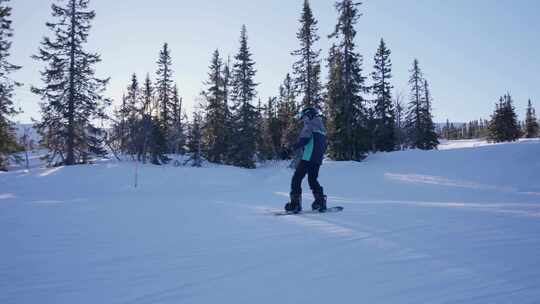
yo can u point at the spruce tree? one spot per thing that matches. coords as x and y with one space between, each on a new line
148 123
72 97
419 120
245 116
133 95
307 68
384 133
287 111
131 116
228 129
335 107
412 119
271 130
8 141
504 125
147 132
429 136
195 140
495 126
227 82
350 120
177 137
164 89
156 140
263 146
215 110
120 129
531 124
512 129
446 130
136 131
148 96
400 122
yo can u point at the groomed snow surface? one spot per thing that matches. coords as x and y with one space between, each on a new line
450 226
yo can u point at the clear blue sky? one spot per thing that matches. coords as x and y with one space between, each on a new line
472 52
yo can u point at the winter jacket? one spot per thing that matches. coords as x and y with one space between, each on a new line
313 139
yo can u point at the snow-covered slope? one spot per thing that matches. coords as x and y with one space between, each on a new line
473 143
452 226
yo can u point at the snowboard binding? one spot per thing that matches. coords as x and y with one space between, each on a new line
320 202
295 205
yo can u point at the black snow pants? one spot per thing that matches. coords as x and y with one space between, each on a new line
312 171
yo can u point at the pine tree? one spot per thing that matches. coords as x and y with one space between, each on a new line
400 122
335 107
8 141
131 115
245 116
215 121
195 140
120 128
263 143
164 89
133 96
156 140
228 131
177 136
135 131
149 148
429 136
72 97
287 110
531 124
485 128
419 123
227 83
307 68
346 106
495 124
384 139
512 129
504 125
148 96
271 130
414 109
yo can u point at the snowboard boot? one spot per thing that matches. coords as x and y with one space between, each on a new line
295 205
320 202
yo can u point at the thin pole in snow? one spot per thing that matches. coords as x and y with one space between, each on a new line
136 173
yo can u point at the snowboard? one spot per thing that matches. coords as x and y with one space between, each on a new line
328 210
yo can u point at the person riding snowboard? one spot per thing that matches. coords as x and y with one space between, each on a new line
313 141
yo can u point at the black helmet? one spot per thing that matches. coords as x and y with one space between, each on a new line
309 112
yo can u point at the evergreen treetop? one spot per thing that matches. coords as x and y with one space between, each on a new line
531 123
164 87
307 68
244 86
384 133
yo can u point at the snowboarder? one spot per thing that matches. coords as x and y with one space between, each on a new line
313 141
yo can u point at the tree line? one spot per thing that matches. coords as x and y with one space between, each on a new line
503 125
232 124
